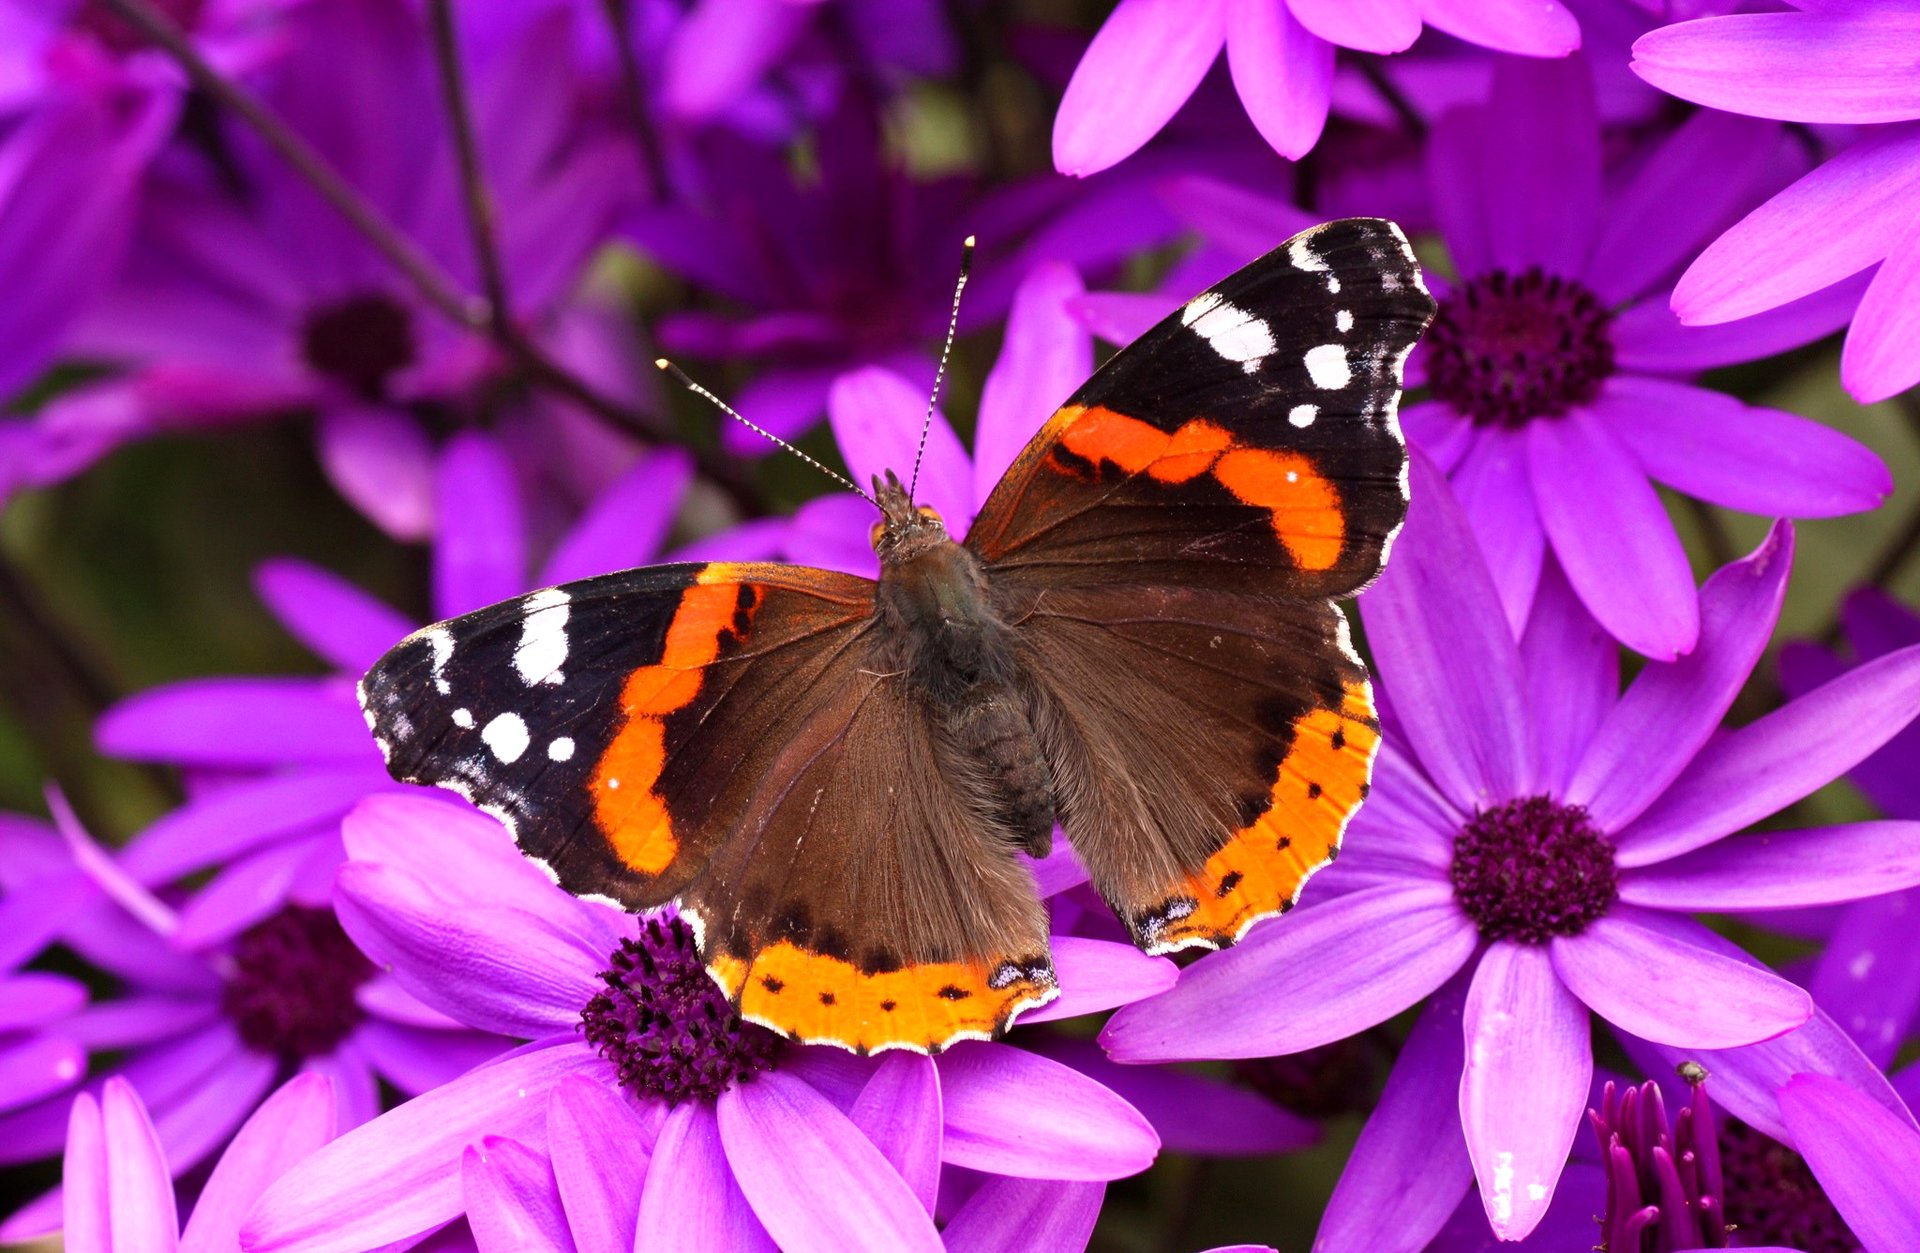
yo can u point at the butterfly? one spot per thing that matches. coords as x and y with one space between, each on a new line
831 777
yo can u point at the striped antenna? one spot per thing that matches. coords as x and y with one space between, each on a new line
953 324
681 377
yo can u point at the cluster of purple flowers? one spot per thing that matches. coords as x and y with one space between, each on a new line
307 1008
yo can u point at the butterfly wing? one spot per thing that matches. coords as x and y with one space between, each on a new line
712 734
1188 517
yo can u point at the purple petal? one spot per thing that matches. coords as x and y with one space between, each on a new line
1747 774
34 998
1783 869
500 969
1649 338
1363 25
1867 979
1573 677
241 723
1120 317
241 893
237 819
1142 65
380 460
1798 67
1864 1157
140 1192
1457 153
1664 990
1409 1168
1529 28
1648 739
88 1222
416 1060
1833 223
1447 655
289 1125
877 416
1405 818
1612 535
1238 224
900 1111
692 1200
1008 1214
1878 360
1100 974
34 1067
1492 487
599 1149
988 1091
831 532
1757 460
399 1175
1529 1063
719 50
479 553
1435 429
627 524
1283 74
1542 195
337 621
1315 984
816 1183
511 1200
1043 358
195 1125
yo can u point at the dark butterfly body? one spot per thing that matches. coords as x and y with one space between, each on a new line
832 776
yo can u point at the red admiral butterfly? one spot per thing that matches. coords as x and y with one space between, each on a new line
831 776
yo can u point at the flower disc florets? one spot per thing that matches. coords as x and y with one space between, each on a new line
666 1026
361 341
1533 869
1505 349
1773 1198
292 990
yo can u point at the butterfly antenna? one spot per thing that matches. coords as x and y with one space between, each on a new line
946 350
681 377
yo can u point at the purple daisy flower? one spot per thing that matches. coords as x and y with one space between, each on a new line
697 1120
1150 55
233 311
120 1195
39 889
1848 64
1534 843
1556 372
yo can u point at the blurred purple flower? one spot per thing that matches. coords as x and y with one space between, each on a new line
685 1117
1849 64
120 1197
1863 1155
38 892
1151 55
1534 842
235 309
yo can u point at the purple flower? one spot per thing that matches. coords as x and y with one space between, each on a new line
235 310
1850 64
1534 842
1864 1156
1151 55
38 891
691 1118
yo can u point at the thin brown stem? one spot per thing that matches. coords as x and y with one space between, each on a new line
633 93
1375 73
481 215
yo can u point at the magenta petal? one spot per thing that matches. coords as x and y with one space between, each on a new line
1783 869
1798 67
1409 1168
1542 195
719 50
1665 990
877 416
338 622
988 1092
34 1067
1100 974
1649 338
1757 460
627 523
1866 978
33 998
817 1184
1046 355
292 1123
510 1199
1223 1007
1447 654
1529 28
1141 67
900 1111
1529 1064
380 460
1878 361
399 1175
242 817
599 1149
1759 769
1457 151
140 1203
1865 1159
87 1223
692 1200
1120 317
1282 72
1573 678
1491 484
1834 222
1612 535
1364 25
479 554
243 723
1004 1215
1649 738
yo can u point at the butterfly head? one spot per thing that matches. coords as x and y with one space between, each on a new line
904 528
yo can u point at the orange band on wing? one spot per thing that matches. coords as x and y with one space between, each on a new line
1259 872
628 809
823 1000
1304 505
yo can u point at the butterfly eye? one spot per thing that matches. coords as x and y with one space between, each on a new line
929 513
873 536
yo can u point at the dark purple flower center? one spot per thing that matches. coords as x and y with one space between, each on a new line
1773 1198
291 992
117 34
666 1026
1325 1082
1532 869
360 341
1505 349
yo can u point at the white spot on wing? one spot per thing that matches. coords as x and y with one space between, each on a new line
561 749
1303 415
1230 330
441 641
1301 252
543 637
506 735
1344 319
463 718
1328 366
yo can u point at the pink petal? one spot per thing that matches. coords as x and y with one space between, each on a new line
692 1200
1142 65
381 461
510 1199
599 1147
1005 1214
1043 358
1878 361
140 1197
1089 1133
292 1123
1798 67
900 1111
1530 28
1363 25
877 418
1865 1159
479 555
